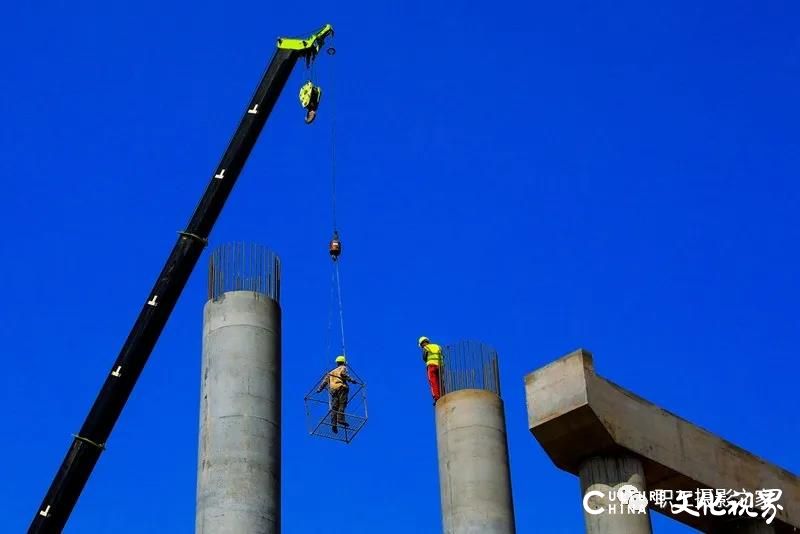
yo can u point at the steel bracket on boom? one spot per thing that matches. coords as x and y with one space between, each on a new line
189 235
101 446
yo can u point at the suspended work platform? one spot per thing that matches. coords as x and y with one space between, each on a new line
340 425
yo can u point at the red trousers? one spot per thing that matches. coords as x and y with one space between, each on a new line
433 380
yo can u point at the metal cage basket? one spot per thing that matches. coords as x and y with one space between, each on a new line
341 425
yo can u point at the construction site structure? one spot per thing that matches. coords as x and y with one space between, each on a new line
474 469
239 452
612 438
90 441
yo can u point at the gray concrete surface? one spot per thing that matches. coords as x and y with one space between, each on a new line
239 464
575 415
474 471
612 512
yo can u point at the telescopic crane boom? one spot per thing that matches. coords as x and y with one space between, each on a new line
87 445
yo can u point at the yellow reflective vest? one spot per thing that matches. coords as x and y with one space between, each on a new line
432 354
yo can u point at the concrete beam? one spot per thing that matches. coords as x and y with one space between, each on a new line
575 415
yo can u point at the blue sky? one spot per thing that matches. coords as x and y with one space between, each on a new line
617 176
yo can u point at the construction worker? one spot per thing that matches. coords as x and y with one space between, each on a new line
432 356
337 383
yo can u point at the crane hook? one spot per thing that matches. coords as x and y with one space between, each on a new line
335 246
310 96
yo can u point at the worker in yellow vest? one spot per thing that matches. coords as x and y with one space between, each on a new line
337 383
432 356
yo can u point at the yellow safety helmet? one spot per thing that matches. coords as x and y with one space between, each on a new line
340 359
422 340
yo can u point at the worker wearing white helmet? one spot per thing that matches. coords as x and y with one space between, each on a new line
432 356
337 383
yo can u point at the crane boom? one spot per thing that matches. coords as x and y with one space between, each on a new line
89 443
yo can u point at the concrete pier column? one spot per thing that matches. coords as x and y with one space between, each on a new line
239 463
611 481
474 473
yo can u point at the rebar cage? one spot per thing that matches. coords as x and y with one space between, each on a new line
320 416
469 365
244 267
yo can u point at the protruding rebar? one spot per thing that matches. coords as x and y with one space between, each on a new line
469 365
244 267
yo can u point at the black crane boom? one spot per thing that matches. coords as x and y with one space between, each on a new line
88 444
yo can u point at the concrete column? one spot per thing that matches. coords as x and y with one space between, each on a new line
239 465
609 476
474 475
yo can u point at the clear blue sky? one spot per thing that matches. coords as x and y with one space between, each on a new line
542 176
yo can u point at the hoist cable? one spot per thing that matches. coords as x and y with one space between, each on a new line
331 303
341 307
333 138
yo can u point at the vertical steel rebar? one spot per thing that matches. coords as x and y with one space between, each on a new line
469 365
244 267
